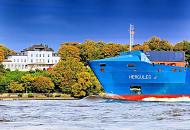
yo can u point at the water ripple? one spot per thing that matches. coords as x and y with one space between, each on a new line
93 114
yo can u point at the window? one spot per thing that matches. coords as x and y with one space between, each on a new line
36 55
43 55
14 60
31 55
21 60
48 55
102 64
31 60
40 55
24 60
131 65
48 60
17 60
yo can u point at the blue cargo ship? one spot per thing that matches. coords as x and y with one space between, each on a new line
132 76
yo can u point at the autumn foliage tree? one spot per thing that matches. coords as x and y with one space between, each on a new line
86 84
110 50
15 86
156 43
43 84
90 50
4 52
67 51
184 46
141 47
65 72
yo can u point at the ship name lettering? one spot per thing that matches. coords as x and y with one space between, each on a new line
135 76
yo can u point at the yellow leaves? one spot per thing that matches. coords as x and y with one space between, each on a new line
27 78
43 84
141 47
16 87
111 50
182 46
156 43
68 51
4 52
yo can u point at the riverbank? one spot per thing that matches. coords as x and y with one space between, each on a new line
36 96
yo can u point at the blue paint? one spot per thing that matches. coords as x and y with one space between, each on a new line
117 74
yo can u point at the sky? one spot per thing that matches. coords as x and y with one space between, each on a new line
27 22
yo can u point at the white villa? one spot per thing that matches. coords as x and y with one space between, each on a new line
32 58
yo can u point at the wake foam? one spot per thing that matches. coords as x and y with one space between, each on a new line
177 99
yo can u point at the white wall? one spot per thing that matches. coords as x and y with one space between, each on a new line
33 60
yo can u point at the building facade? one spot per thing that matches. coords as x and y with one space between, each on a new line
32 58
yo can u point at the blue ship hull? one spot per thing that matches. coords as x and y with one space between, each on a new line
134 77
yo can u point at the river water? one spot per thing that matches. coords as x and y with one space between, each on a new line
93 114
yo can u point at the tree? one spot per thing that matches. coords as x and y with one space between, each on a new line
141 47
110 50
67 51
27 81
64 74
156 43
90 50
16 87
4 52
184 46
85 85
43 84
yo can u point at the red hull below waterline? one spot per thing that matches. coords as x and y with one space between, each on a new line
150 97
